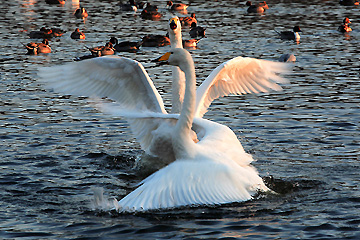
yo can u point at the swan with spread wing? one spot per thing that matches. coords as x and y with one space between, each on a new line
207 164
228 78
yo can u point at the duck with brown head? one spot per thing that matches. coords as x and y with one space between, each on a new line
345 26
77 34
177 6
256 8
36 48
187 21
81 13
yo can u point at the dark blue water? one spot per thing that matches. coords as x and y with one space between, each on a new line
55 148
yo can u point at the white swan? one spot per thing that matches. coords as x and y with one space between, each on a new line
126 81
214 170
178 83
224 80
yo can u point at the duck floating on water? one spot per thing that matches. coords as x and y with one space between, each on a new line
150 14
46 33
187 21
155 41
345 26
131 6
257 8
197 31
36 48
77 34
125 46
55 1
349 2
102 50
81 13
177 6
290 35
191 43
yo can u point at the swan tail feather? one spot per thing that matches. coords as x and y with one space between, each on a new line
189 183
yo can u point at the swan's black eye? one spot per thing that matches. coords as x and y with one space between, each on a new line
171 52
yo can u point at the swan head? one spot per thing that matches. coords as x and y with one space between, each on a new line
176 57
174 24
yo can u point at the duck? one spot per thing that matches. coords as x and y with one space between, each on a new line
55 1
187 21
197 31
263 5
77 34
155 41
36 48
96 54
81 13
257 8
177 6
345 26
57 32
42 33
102 50
290 35
209 169
46 33
349 2
125 46
131 6
148 6
150 15
287 57
191 43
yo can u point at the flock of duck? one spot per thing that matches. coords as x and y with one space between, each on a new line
149 11
205 164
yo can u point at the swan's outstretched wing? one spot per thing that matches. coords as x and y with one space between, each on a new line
239 76
120 79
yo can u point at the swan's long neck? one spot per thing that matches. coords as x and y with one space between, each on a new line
178 89
178 83
175 38
182 141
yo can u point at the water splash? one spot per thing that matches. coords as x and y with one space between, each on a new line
100 202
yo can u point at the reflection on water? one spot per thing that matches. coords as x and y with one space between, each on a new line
55 147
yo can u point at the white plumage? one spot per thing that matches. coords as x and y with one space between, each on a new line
237 76
210 168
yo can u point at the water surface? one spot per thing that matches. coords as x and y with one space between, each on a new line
305 139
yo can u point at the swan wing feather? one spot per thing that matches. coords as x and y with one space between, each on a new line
118 78
239 76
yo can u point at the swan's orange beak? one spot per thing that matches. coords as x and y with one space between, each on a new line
163 59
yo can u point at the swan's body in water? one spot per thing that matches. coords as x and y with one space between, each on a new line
209 168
